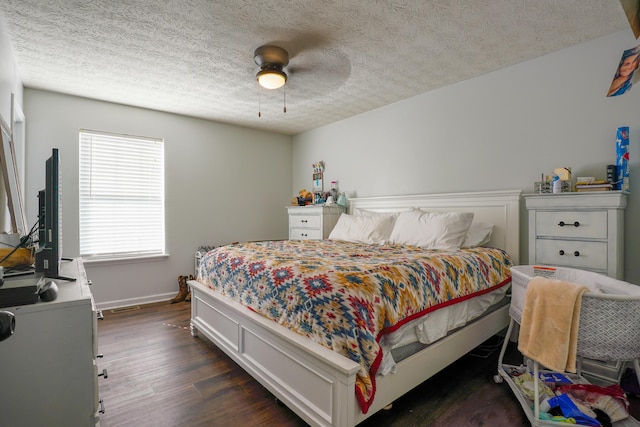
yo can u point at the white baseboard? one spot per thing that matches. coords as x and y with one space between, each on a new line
135 301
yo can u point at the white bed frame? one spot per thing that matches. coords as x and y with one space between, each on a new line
319 384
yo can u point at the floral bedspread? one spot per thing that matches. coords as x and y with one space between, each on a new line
345 296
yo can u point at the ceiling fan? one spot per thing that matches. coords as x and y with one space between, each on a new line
319 68
271 60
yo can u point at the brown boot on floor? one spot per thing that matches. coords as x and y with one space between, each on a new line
188 297
183 291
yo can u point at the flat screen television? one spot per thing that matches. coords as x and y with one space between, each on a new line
49 251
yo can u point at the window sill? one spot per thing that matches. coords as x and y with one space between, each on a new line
127 260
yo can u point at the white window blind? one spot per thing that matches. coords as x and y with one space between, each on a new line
121 196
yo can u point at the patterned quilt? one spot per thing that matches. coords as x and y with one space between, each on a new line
346 296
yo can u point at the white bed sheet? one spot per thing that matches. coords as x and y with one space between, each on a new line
436 325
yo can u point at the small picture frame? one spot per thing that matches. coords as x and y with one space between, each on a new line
317 182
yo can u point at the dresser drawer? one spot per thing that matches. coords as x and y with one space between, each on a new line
572 224
305 233
310 221
575 254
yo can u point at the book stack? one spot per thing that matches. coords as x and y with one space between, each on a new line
596 185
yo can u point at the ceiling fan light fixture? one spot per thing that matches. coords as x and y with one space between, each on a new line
271 78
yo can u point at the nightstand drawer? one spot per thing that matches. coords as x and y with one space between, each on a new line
570 253
573 224
310 221
304 234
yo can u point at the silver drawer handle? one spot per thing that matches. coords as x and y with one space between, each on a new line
575 224
575 253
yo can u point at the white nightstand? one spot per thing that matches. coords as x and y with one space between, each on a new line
312 222
578 230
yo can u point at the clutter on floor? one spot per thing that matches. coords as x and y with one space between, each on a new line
566 398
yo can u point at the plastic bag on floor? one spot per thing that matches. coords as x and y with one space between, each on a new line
570 410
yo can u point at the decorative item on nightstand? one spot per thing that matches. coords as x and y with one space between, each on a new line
318 172
304 198
334 190
342 200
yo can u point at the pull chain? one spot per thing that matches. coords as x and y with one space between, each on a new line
260 100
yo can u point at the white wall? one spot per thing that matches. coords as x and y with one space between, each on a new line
497 131
10 84
9 76
222 183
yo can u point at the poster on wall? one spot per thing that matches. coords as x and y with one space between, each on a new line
623 77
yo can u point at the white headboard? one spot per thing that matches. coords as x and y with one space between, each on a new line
500 208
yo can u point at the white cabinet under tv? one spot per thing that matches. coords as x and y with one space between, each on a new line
48 369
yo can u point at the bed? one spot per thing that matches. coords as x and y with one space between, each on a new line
322 386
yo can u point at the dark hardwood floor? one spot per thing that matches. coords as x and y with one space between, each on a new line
159 375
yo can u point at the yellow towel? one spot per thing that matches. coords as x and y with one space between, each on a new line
549 324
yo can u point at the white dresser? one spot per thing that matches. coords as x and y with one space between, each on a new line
312 222
584 231
48 369
578 230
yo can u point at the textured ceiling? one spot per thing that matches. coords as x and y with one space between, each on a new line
195 57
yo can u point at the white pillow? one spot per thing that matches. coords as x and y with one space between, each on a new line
365 212
372 229
386 227
431 230
479 234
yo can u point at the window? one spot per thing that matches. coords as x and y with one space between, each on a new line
121 196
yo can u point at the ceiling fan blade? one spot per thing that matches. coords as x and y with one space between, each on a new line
297 69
